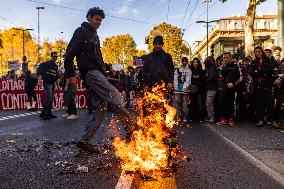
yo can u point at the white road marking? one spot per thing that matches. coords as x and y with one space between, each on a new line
278 177
21 115
125 181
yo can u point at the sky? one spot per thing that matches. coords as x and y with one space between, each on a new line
57 22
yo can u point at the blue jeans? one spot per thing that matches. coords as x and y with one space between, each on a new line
47 105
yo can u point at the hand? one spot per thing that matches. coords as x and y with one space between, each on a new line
39 82
170 87
66 88
230 85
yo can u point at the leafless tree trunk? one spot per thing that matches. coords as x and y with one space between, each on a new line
249 28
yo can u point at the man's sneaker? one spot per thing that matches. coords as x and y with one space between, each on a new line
88 147
260 124
208 120
52 116
72 117
65 115
275 125
231 122
222 122
184 120
268 123
42 115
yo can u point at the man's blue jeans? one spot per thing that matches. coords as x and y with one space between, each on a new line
49 91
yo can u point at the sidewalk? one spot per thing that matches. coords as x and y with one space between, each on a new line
265 144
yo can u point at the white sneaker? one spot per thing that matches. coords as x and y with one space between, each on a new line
65 115
72 116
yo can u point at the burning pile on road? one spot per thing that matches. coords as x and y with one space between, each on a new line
153 143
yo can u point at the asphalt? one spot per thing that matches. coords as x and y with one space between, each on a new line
42 154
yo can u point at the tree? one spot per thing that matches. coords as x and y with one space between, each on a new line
12 47
141 53
119 49
172 40
249 25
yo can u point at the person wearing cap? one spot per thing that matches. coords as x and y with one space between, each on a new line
85 46
158 66
48 74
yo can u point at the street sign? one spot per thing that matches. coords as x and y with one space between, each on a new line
137 61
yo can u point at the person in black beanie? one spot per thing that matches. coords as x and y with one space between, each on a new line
158 66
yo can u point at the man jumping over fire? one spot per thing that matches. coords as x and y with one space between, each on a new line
85 46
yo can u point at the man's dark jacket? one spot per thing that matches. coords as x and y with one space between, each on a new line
85 45
262 75
231 74
158 66
49 72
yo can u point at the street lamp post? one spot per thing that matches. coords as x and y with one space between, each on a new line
207 25
38 27
24 66
13 54
189 49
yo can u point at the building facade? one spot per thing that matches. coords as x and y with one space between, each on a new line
228 35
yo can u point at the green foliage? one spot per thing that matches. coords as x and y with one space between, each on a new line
119 49
173 43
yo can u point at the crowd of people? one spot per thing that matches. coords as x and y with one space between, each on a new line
224 90
231 88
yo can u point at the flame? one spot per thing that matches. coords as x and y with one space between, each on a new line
147 150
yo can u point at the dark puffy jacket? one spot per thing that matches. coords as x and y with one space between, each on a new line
198 78
231 74
262 75
49 72
211 78
158 66
85 45
30 82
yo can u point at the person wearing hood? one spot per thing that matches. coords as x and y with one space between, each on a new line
85 46
211 84
158 66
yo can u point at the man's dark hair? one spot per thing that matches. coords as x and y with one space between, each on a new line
53 53
278 48
269 50
183 59
95 11
235 56
228 53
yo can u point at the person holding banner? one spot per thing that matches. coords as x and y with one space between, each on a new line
48 73
30 83
85 46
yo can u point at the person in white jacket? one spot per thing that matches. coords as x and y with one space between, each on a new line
182 81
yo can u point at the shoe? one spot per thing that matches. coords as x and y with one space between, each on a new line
202 121
87 146
260 124
72 117
46 117
231 122
184 121
222 122
209 120
268 123
65 115
52 116
275 125
42 115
